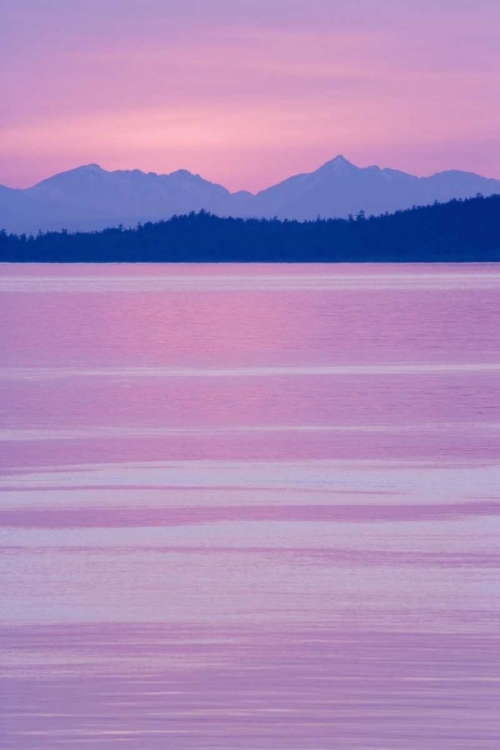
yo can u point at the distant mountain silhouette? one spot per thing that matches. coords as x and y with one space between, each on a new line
457 231
339 188
90 198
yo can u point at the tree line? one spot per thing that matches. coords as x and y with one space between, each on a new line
458 231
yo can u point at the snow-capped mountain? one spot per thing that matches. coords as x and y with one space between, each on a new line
89 197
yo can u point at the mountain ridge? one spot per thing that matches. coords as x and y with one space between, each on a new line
89 197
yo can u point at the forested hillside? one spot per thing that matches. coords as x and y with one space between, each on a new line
461 231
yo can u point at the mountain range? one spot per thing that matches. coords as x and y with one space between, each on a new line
89 197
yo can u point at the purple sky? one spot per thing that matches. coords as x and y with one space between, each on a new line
247 92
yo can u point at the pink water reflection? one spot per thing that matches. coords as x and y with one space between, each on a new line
240 689
250 508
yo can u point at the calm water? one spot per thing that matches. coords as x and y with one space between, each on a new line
250 508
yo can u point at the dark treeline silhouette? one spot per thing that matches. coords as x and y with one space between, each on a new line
459 231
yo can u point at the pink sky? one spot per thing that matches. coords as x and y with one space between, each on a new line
248 92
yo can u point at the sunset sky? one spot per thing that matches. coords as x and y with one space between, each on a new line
248 92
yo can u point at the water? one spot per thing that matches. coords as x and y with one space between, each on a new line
250 508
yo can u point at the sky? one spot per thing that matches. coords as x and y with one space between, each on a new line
248 92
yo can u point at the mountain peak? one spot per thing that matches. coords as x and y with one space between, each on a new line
87 168
183 173
87 171
340 159
340 165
